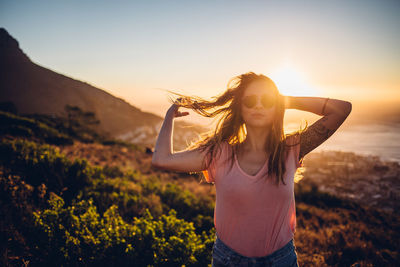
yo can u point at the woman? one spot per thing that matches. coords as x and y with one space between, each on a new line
252 164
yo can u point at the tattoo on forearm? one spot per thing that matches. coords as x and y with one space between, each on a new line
315 135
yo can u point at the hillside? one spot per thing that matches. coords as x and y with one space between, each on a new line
36 89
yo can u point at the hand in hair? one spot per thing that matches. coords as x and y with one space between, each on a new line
174 110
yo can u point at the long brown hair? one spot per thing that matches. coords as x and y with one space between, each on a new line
231 127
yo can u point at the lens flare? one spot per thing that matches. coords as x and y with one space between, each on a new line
292 82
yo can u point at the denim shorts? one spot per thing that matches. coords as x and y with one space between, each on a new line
222 255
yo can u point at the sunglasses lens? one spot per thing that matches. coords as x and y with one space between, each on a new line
267 102
250 101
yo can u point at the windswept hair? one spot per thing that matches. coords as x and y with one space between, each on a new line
231 127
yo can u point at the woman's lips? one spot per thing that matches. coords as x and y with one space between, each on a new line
258 117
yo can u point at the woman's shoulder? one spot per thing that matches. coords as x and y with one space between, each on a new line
217 152
293 147
224 147
219 148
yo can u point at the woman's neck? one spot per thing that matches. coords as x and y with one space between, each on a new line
255 141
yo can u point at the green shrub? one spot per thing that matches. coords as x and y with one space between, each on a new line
17 125
112 171
38 164
188 205
79 235
126 194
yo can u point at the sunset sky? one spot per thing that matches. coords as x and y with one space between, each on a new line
342 49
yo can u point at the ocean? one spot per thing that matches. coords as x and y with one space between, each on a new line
382 140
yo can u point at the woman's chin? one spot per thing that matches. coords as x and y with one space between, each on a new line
259 124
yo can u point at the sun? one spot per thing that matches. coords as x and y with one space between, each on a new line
292 82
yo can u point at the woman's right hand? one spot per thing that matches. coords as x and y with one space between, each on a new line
174 111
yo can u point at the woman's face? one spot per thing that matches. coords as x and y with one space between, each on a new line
260 108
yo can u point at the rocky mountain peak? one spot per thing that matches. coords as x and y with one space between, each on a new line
9 48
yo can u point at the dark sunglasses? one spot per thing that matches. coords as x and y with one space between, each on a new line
250 101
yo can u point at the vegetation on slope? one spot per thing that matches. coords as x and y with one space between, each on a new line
62 211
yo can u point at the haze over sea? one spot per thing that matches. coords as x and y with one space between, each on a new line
382 140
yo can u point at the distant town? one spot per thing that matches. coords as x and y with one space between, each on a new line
366 180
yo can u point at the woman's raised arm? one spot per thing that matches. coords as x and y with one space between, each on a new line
334 112
164 156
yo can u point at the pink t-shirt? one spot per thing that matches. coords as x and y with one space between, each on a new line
254 218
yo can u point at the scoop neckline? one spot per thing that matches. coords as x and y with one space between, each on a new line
246 174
